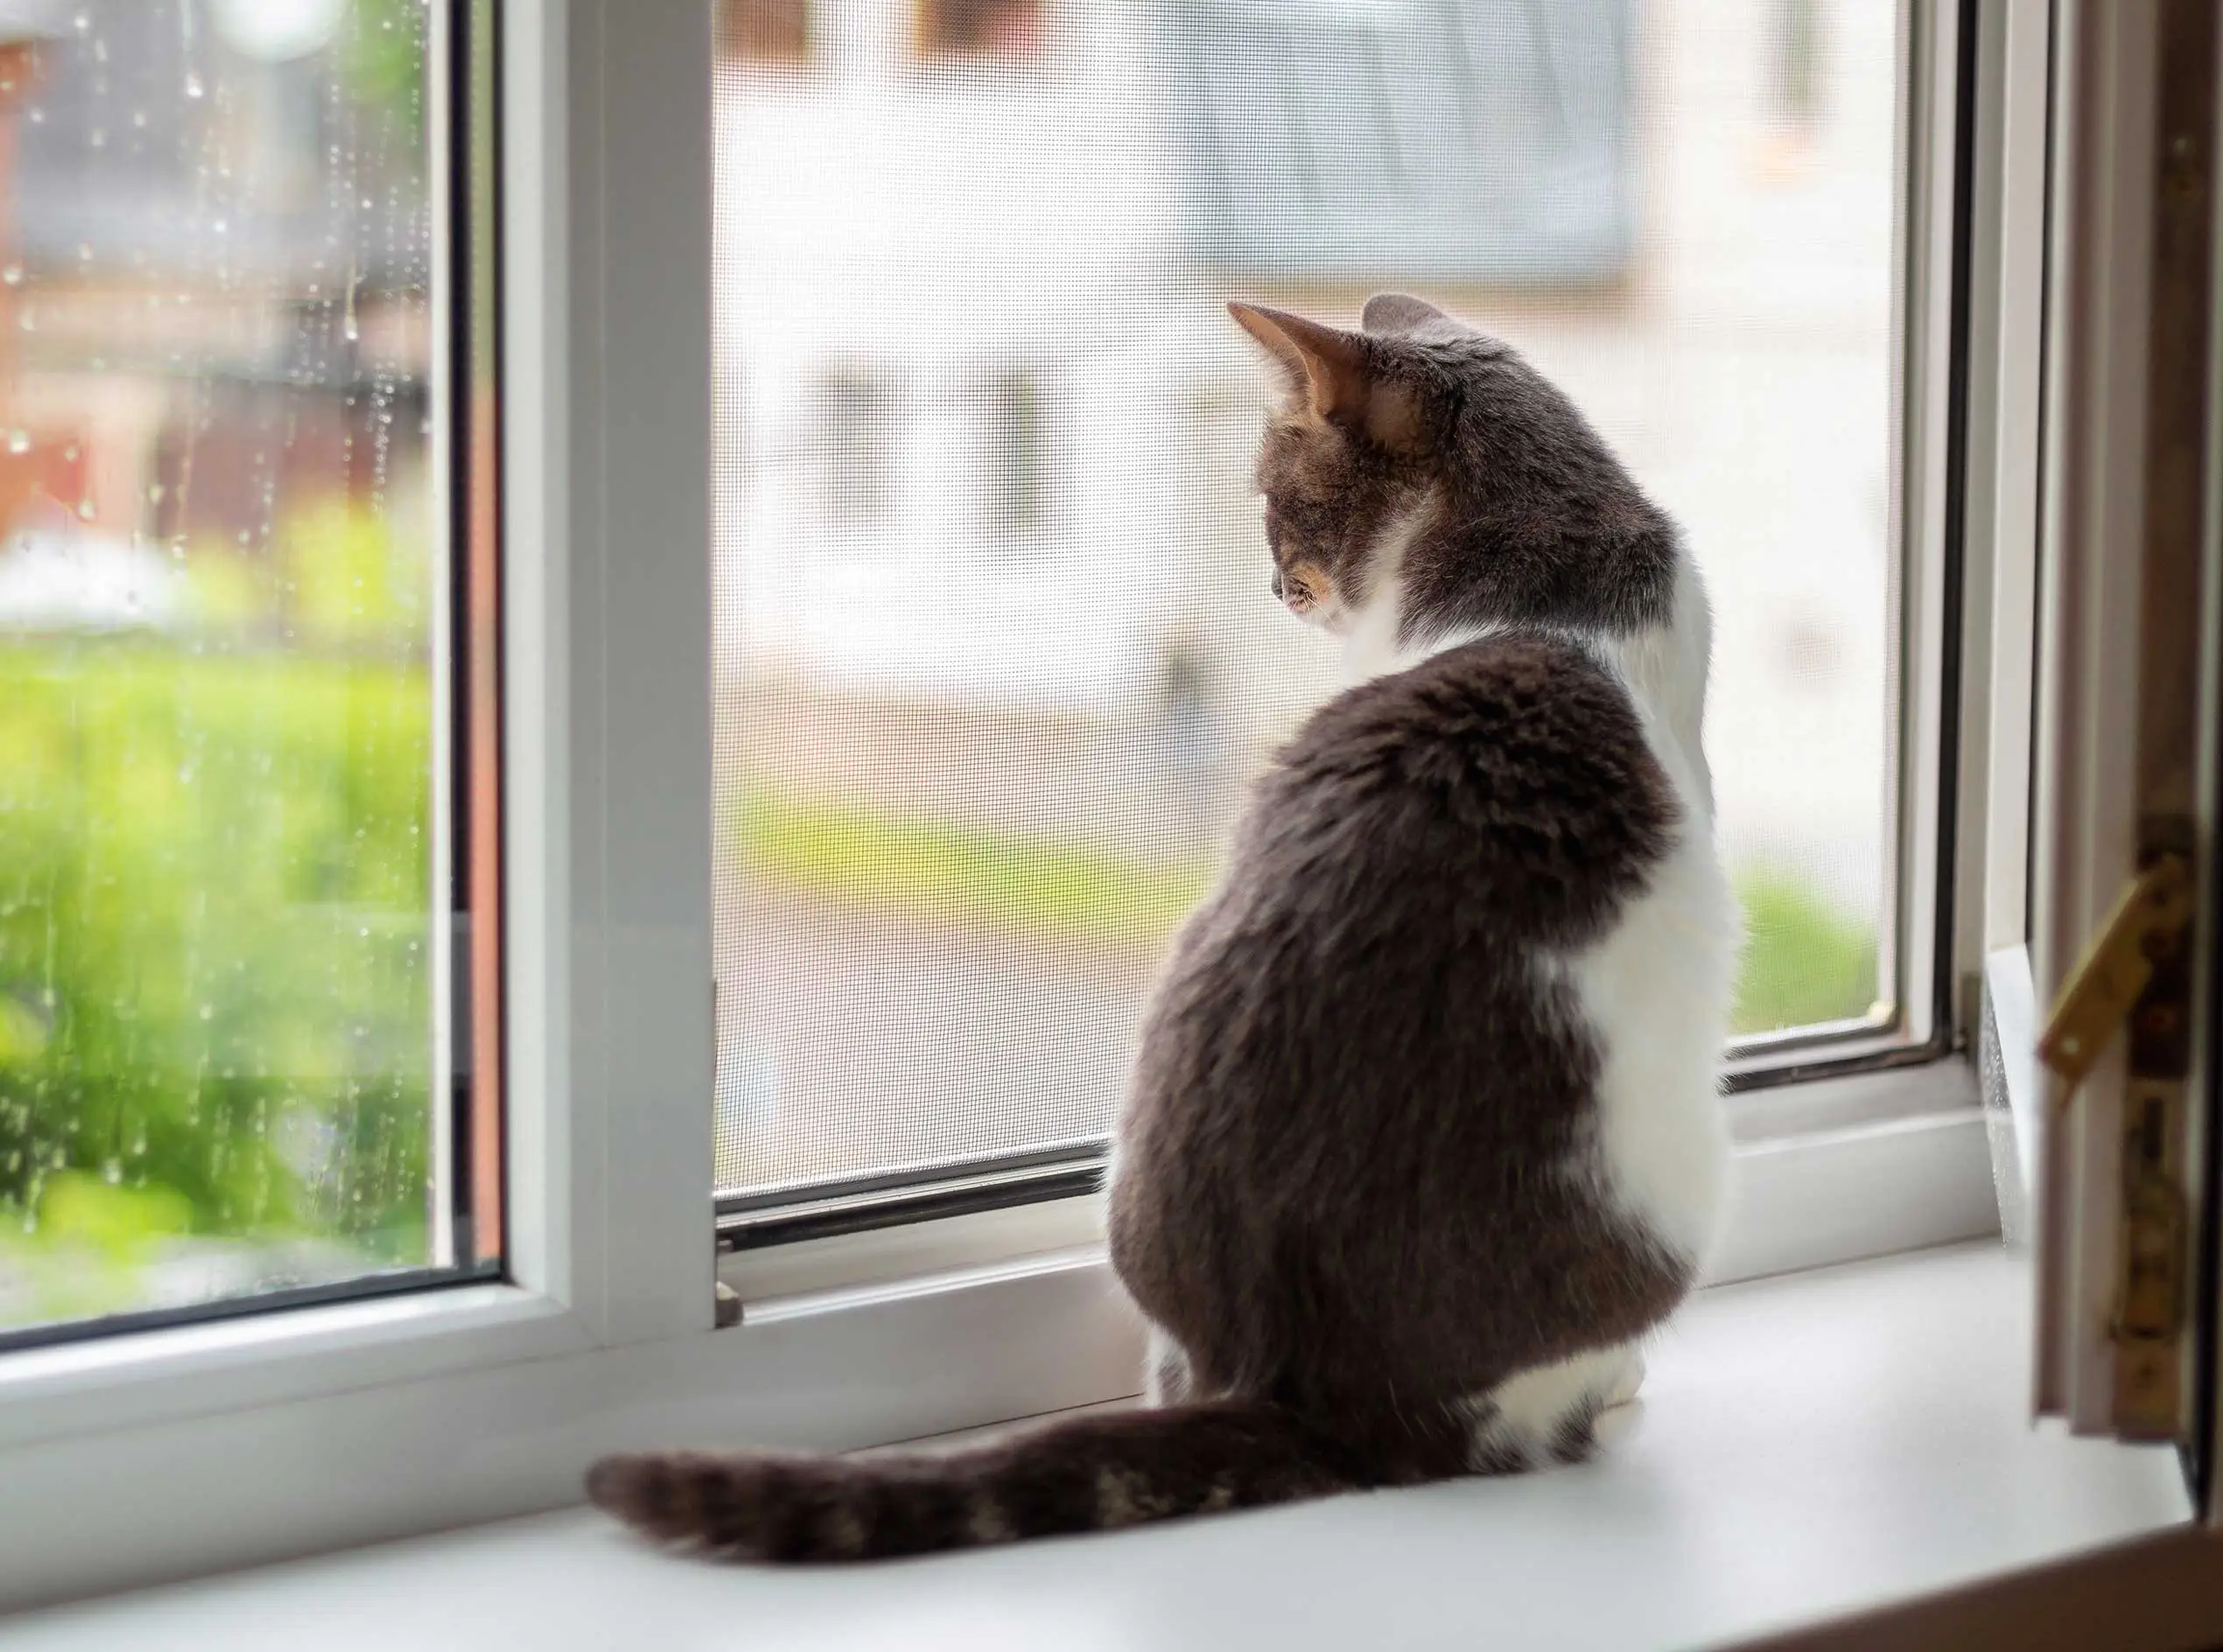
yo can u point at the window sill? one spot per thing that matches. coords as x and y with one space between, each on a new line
1807 1446
228 1365
1830 1170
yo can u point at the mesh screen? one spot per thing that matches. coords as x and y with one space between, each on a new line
996 650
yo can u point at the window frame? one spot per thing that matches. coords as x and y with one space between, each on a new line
254 1439
1959 478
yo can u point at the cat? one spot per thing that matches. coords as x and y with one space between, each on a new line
1424 1136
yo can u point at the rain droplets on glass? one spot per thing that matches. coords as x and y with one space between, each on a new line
293 249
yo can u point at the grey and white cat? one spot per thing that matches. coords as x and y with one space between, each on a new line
1424 1136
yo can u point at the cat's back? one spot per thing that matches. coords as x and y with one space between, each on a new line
1420 858
1509 782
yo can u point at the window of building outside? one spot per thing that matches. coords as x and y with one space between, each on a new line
1012 462
776 31
978 28
1798 45
963 797
859 430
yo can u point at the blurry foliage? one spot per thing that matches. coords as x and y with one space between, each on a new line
1804 962
335 578
351 579
81 1217
935 868
381 49
215 984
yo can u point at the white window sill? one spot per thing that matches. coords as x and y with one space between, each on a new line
1806 1446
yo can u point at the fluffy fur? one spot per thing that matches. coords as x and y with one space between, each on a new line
1423 1138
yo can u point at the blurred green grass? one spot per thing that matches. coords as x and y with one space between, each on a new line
1804 962
937 870
216 990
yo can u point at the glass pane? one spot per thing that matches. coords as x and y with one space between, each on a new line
997 653
219 585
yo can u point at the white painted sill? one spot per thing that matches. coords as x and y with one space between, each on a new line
201 1450
1806 1446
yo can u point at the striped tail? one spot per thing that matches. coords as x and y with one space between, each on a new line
1086 1473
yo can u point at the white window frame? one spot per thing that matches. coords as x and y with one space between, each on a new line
2008 348
171 1452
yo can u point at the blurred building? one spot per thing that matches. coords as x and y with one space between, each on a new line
966 248
214 267
986 428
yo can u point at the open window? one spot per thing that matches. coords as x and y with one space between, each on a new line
2123 871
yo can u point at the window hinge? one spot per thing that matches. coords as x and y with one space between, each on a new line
2108 981
2138 973
2151 1262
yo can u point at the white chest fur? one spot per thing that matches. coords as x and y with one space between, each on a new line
1654 994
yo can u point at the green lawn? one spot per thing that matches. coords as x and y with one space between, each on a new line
216 990
1803 961
933 869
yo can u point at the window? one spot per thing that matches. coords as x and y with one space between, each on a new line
1797 45
978 28
856 444
775 32
1012 463
963 797
232 856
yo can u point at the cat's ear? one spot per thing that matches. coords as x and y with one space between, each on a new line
1394 313
1325 363
1330 369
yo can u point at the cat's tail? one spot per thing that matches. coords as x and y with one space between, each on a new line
1086 1473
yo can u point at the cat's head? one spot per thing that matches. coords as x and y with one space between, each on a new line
1420 464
